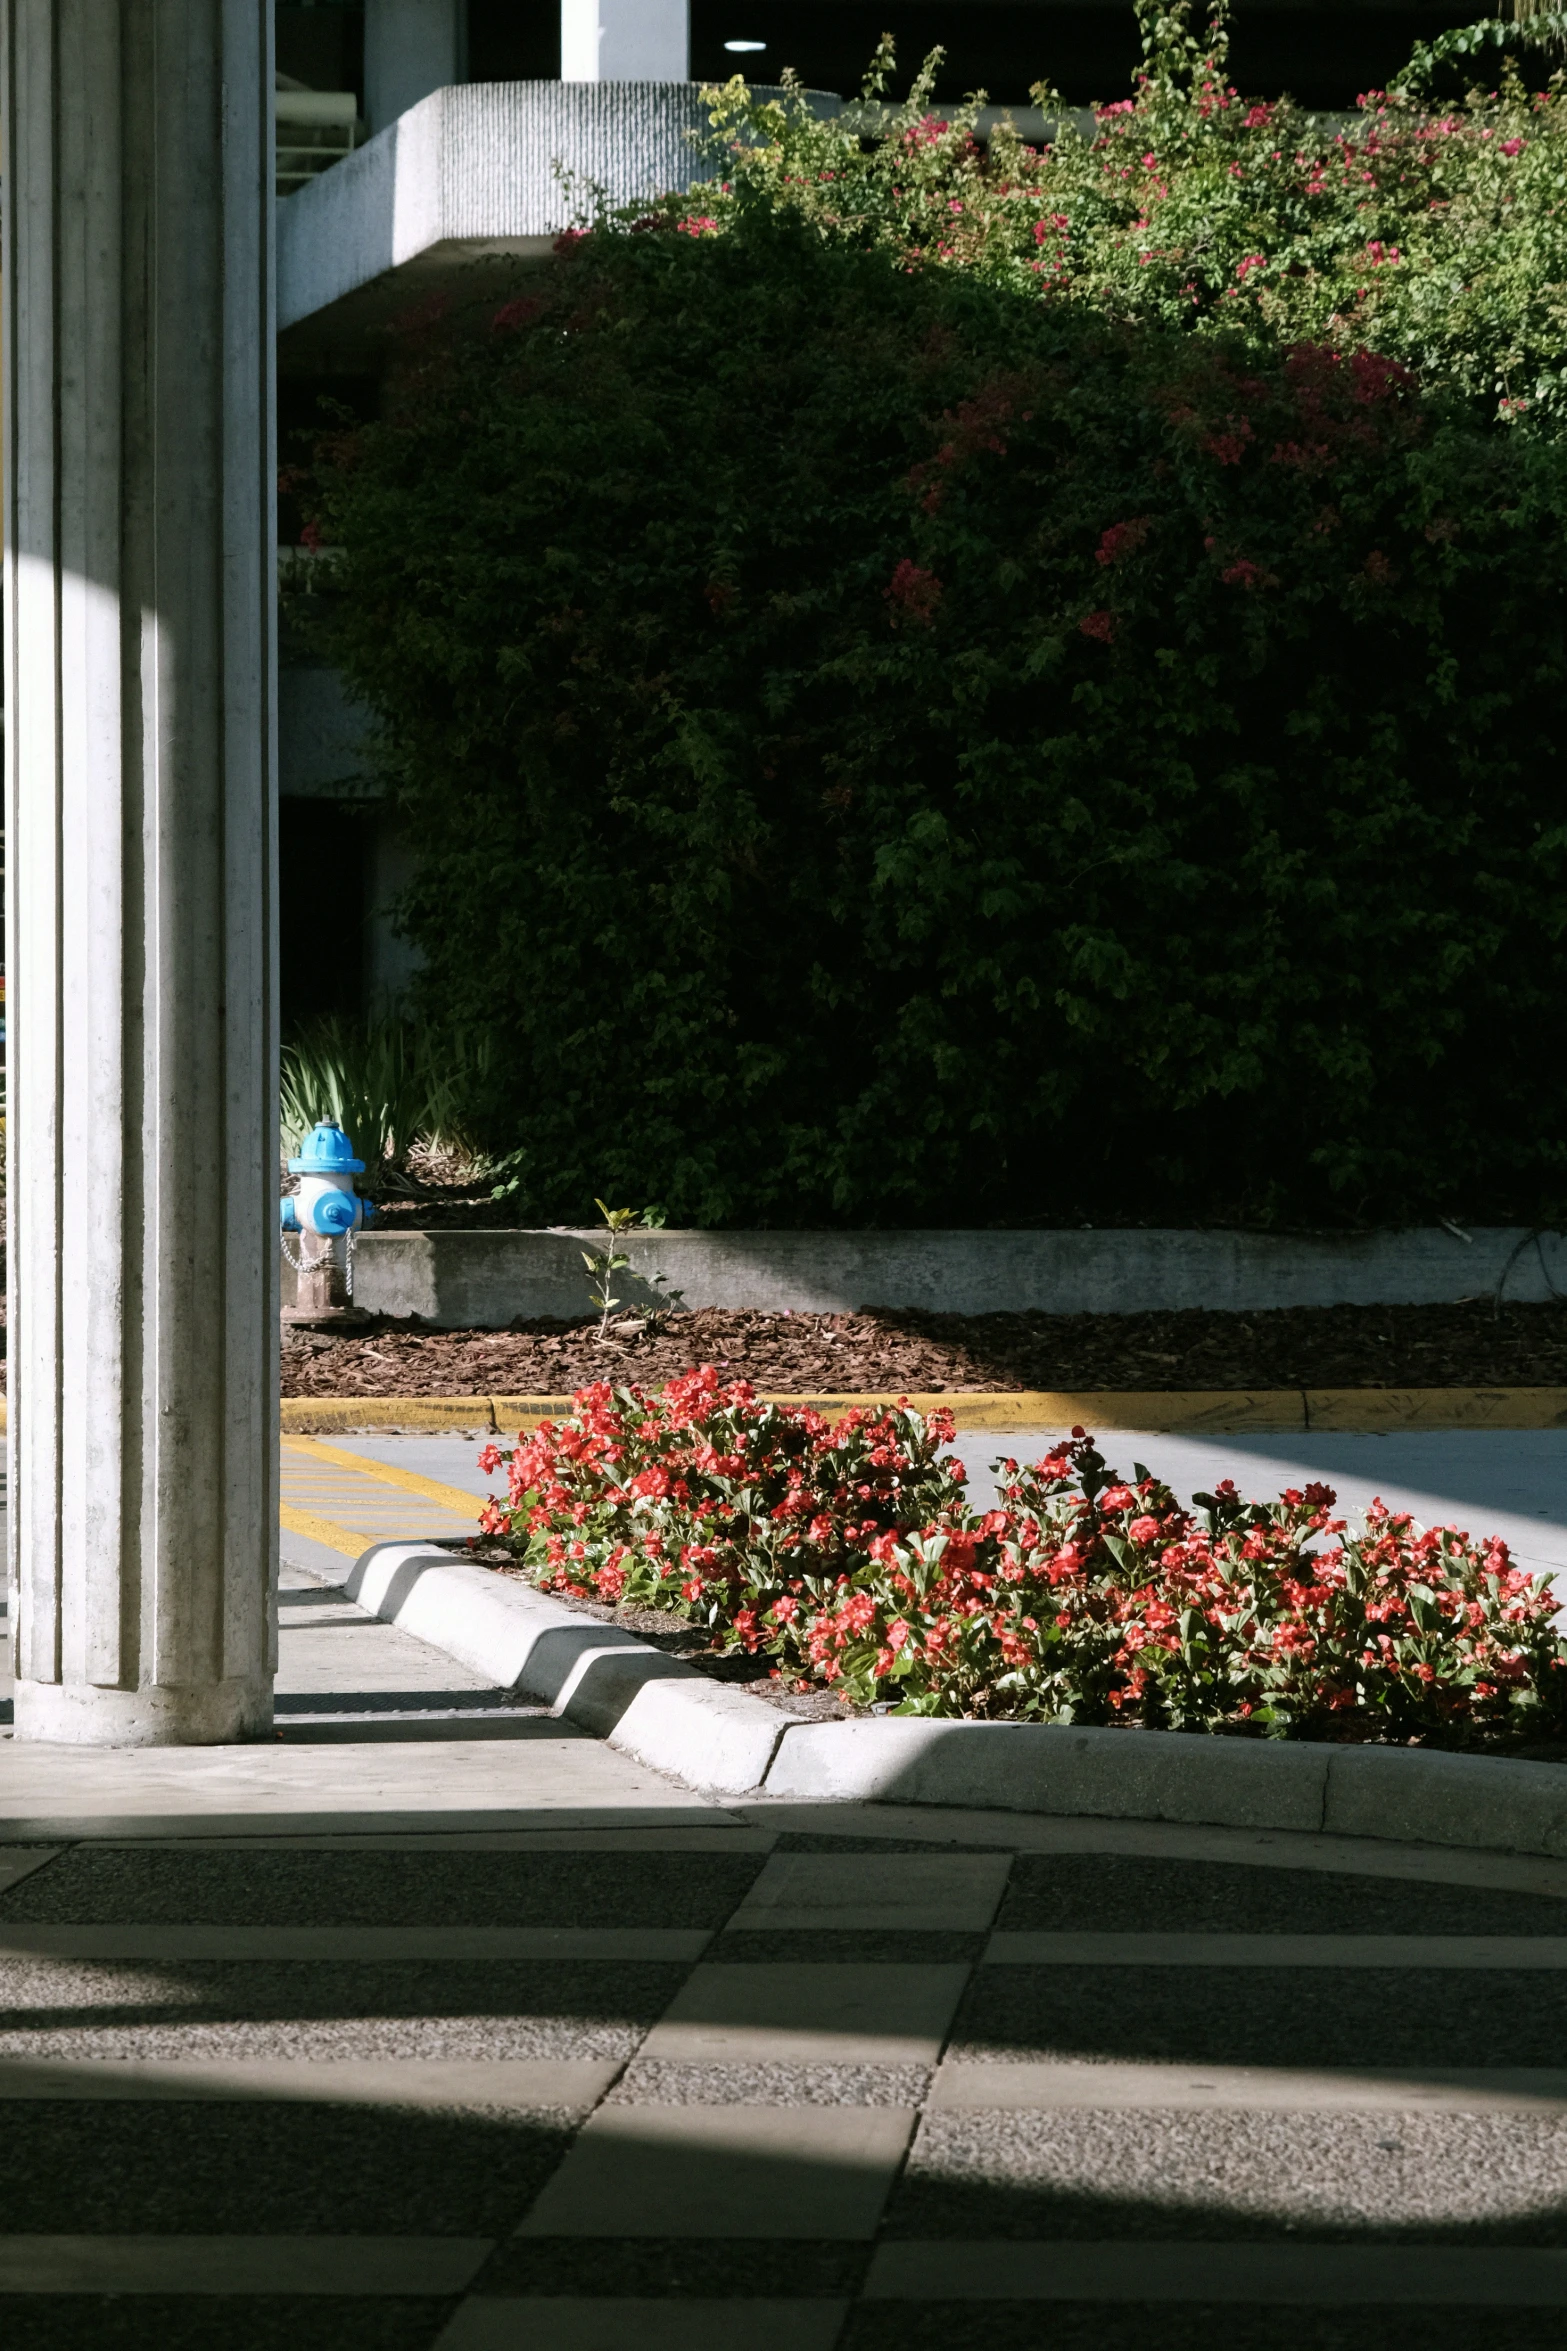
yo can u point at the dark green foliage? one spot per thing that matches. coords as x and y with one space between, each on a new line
833 824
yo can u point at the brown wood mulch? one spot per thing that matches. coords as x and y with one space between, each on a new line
1469 1345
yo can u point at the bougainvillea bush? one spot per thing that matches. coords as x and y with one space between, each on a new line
847 1552
1431 228
887 744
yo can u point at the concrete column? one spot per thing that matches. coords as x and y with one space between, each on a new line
625 40
411 48
141 855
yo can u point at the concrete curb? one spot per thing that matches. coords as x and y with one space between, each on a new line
1186 1412
651 1706
1407 1794
673 1719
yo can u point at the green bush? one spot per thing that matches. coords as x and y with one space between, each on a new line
890 748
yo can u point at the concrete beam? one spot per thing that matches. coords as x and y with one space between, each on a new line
141 840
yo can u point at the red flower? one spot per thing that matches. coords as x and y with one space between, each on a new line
916 593
1122 538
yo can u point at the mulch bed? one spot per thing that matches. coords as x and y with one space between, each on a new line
1469 1345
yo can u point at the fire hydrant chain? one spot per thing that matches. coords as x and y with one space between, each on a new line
303 1264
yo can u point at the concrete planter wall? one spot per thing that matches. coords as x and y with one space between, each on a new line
484 1279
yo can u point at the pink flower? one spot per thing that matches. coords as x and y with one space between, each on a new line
1100 625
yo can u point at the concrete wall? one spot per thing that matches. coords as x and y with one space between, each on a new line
484 1279
321 738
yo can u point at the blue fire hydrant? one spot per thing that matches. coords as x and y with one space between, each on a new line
326 1205
326 1202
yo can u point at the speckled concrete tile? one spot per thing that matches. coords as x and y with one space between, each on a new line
227 1887
301 2008
559 2094
648 2082
20 1861
725 2171
240 2262
236 2322
260 2169
1144 2326
653 2325
1264 2016
1262 2089
1185 2268
924 1892
1084 2174
1109 1892
808 2015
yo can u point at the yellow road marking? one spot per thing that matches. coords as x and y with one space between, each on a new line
321 1530
466 1506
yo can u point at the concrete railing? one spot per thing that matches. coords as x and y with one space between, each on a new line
473 168
484 1279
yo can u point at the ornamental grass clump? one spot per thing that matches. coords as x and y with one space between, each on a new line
847 1553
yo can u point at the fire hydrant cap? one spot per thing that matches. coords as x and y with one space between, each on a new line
326 1151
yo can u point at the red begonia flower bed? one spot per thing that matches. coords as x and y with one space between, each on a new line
847 1552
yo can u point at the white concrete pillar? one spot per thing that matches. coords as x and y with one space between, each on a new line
625 40
411 48
141 854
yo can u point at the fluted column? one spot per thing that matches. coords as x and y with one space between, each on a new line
141 856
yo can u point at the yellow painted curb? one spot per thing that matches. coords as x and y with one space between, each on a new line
306 1415
1188 1412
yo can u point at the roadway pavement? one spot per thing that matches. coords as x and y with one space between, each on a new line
1511 1483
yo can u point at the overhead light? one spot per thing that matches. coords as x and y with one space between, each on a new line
745 44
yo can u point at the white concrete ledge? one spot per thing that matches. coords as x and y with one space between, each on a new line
650 1705
1025 1767
470 171
482 1279
670 1717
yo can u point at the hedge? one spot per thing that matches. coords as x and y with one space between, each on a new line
889 745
